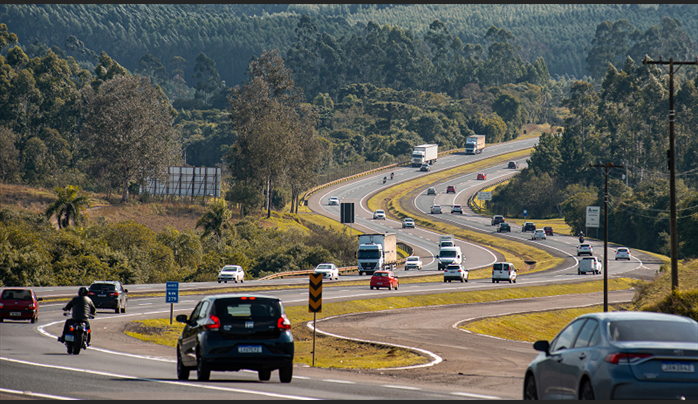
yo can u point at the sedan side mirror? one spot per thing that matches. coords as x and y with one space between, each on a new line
182 318
437 256
41 299
543 346
126 290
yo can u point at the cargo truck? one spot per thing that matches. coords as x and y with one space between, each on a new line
446 241
377 251
474 144
424 154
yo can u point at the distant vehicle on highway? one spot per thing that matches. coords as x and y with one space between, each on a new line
589 264
232 332
436 209
384 279
333 201
231 273
19 304
538 234
497 219
503 271
108 295
327 270
513 164
617 355
481 176
379 214
528 226
585 249
622 253
504 227
425 167
455 273
408 222
548 230
451 189
431 191
456 209
413 262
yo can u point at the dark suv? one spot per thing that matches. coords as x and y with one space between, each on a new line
497 219
109 295
528 226
504 227
232 332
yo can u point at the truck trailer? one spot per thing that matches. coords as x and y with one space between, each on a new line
424 154
474 144
377 251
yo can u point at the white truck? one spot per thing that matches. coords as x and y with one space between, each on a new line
377 251
474 144
446 241
424 154
589 264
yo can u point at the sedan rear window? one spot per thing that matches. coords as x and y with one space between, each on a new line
16 295
230 309
102 287
654 331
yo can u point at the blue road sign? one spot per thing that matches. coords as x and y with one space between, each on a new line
525 212
172 292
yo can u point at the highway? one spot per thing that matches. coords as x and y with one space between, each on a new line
34 365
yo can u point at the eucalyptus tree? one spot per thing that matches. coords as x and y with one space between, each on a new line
128 130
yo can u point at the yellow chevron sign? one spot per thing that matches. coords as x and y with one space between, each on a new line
315 297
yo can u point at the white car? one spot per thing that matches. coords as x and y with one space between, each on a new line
622 253
379 214
589 264
436 209
333 201
585 249
413 262
503 271
538 234
455 273
408 222
328 271
231 273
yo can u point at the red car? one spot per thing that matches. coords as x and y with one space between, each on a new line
19 304
548 230
481 176
384 279
451 189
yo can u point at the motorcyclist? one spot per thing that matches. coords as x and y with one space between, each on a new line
392 175
83 308
581 236
385 179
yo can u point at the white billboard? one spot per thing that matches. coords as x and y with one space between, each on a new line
593 216
187 181
484 196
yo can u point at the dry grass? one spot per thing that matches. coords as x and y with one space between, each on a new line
651 293
325 221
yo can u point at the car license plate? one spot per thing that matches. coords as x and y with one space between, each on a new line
69 337
15 313
379 283
250 349
678 368
102 295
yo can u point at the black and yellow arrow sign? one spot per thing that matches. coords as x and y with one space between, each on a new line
315 297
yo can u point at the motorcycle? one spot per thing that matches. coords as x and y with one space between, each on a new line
392 175
581 239
76 336
385 179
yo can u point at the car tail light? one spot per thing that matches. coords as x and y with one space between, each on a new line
72 328
1 304
90 293
283 323
625 358
114 294
245 298
212 323
31 305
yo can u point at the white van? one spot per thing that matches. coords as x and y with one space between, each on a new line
450 256
503 271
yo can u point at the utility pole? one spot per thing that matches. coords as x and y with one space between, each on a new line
605 234
672 166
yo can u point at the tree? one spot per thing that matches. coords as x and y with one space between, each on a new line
9 155
128 130
209 80
70 204
215 220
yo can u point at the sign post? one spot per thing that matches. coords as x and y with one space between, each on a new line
315 302
172 296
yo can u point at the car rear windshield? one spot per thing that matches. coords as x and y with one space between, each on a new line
654 331
448 254
412 258
99 287
230 309
381 274
16 295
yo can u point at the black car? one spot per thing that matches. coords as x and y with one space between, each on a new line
513 164
232 332
497 219
109 295
528 226
425 167
504 227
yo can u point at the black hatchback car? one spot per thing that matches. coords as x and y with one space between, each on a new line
232 332
109 295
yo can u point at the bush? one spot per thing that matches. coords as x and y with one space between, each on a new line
682 303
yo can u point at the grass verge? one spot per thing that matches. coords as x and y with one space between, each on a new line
657 295
337 353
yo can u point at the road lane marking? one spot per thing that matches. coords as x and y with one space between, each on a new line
178 383
40 395
391 386
482 396
144 304
337 381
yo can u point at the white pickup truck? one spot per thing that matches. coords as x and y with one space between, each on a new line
589 264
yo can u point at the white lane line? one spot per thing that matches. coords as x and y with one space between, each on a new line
40 395
482 396
390 386
144 304
337 381
301 377
178 383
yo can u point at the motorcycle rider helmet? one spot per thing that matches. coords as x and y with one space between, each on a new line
82 291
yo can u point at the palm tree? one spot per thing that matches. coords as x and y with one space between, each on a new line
70 205
215 219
